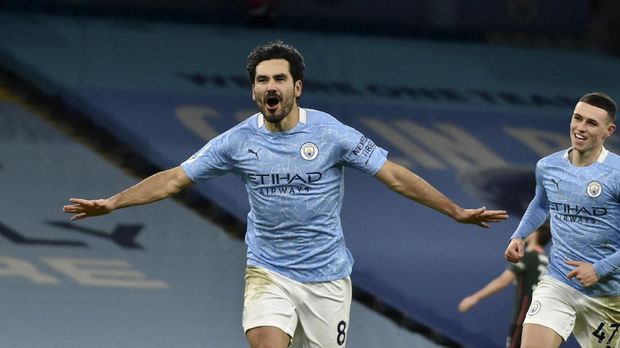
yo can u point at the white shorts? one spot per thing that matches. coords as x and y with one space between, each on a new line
595 321
315 315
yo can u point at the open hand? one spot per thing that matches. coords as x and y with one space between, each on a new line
83 208
481 216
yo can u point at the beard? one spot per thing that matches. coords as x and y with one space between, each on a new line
276 116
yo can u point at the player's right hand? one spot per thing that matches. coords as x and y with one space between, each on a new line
83 208
515 250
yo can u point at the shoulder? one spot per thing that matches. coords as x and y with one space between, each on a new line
556 156
552 159
242 129
611 168
319 118
330 128
612 160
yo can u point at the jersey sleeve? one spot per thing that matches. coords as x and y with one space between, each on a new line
537 211
611 263
361 152
210 161
608 265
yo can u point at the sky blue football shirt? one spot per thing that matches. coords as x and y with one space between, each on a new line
294 180
583 204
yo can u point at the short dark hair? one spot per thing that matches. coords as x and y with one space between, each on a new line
603 101
544 234
276 50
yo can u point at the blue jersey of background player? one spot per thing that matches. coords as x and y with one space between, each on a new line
579 189
584 207
291 160
294 184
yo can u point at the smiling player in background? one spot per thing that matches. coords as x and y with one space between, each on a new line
579 190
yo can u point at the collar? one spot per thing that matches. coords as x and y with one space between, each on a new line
303 118
601 158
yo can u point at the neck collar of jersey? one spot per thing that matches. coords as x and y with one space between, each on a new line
303 117
601 158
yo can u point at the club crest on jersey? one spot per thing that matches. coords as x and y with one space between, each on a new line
594 189
309 151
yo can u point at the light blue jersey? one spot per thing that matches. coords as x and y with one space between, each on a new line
294 181
584 206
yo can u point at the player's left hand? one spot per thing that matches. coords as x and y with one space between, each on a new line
481 216
584 273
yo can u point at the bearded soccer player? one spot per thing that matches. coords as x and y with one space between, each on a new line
291 160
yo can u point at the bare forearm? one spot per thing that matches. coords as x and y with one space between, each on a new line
494 286
156 187
414 187
408 184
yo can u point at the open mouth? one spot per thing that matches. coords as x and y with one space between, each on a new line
273 102
579 137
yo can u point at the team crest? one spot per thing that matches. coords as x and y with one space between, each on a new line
594 189
309 151
534 308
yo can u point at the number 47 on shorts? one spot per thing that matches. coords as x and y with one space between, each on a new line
601 334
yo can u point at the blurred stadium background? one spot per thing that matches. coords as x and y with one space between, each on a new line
97 94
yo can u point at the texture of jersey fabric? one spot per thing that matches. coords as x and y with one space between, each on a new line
294 181
584 208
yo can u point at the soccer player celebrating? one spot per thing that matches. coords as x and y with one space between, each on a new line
291 160
579 189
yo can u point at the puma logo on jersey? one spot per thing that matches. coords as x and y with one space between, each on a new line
255 153
557 183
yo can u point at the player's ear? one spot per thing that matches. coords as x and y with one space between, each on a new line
610 129
253 94
298 88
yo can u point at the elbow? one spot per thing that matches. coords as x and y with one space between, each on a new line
176 189
397 186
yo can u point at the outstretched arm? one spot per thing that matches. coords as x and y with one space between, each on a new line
408 184
156 187
493 287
